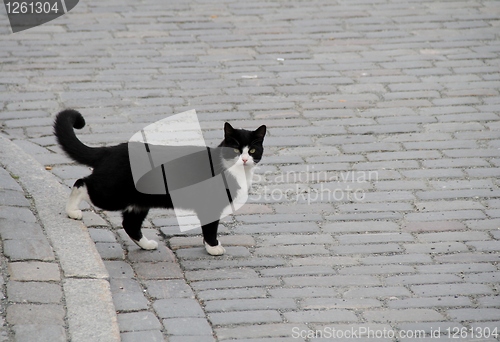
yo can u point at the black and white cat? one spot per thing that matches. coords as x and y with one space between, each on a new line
111 185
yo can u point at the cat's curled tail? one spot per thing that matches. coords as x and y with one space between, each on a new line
74 148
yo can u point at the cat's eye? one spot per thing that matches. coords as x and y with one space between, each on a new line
236 150
252 150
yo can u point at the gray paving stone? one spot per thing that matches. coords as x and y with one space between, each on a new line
236 262
178 241
250 304
297 270
128 295
32 249
404 155
433 173
486 246
34 271
27 314
446 215
220 274
200 253
338 280
234 283
160 270
138 321
102 235
303 292
451 289
110 250
119 269
229 294
326 260
17 214
420 226
291 250
290 239
245 317
277 218
162 254
326 316
474 314
92 219
336 303
367 249
146 335
378 292
13 198
21 231
162 289
39 332
377 269
281 227
438 247
431 302
187 338
457 268
490 277
126 302
398 259
374 238
7 182
188 327
34 292
455 236
351 227
404 315
488 301
178 307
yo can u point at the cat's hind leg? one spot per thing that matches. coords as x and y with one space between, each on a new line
132 222
78 194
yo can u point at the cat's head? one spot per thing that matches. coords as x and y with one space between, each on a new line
243 147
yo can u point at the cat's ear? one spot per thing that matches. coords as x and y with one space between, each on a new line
260 132
228 129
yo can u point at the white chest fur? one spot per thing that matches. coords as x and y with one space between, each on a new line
243 173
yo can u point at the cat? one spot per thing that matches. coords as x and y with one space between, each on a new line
111 187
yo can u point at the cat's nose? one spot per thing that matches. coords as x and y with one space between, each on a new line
244 160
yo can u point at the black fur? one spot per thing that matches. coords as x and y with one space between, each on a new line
111 186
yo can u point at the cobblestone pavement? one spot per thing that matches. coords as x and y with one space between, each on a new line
28 263
376 205
53 283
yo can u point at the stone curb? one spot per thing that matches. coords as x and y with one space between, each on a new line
90 310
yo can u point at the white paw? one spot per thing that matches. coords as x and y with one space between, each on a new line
75 214
215 250
144 243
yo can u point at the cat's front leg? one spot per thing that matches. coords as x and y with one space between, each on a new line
214 250
212 245
144 243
